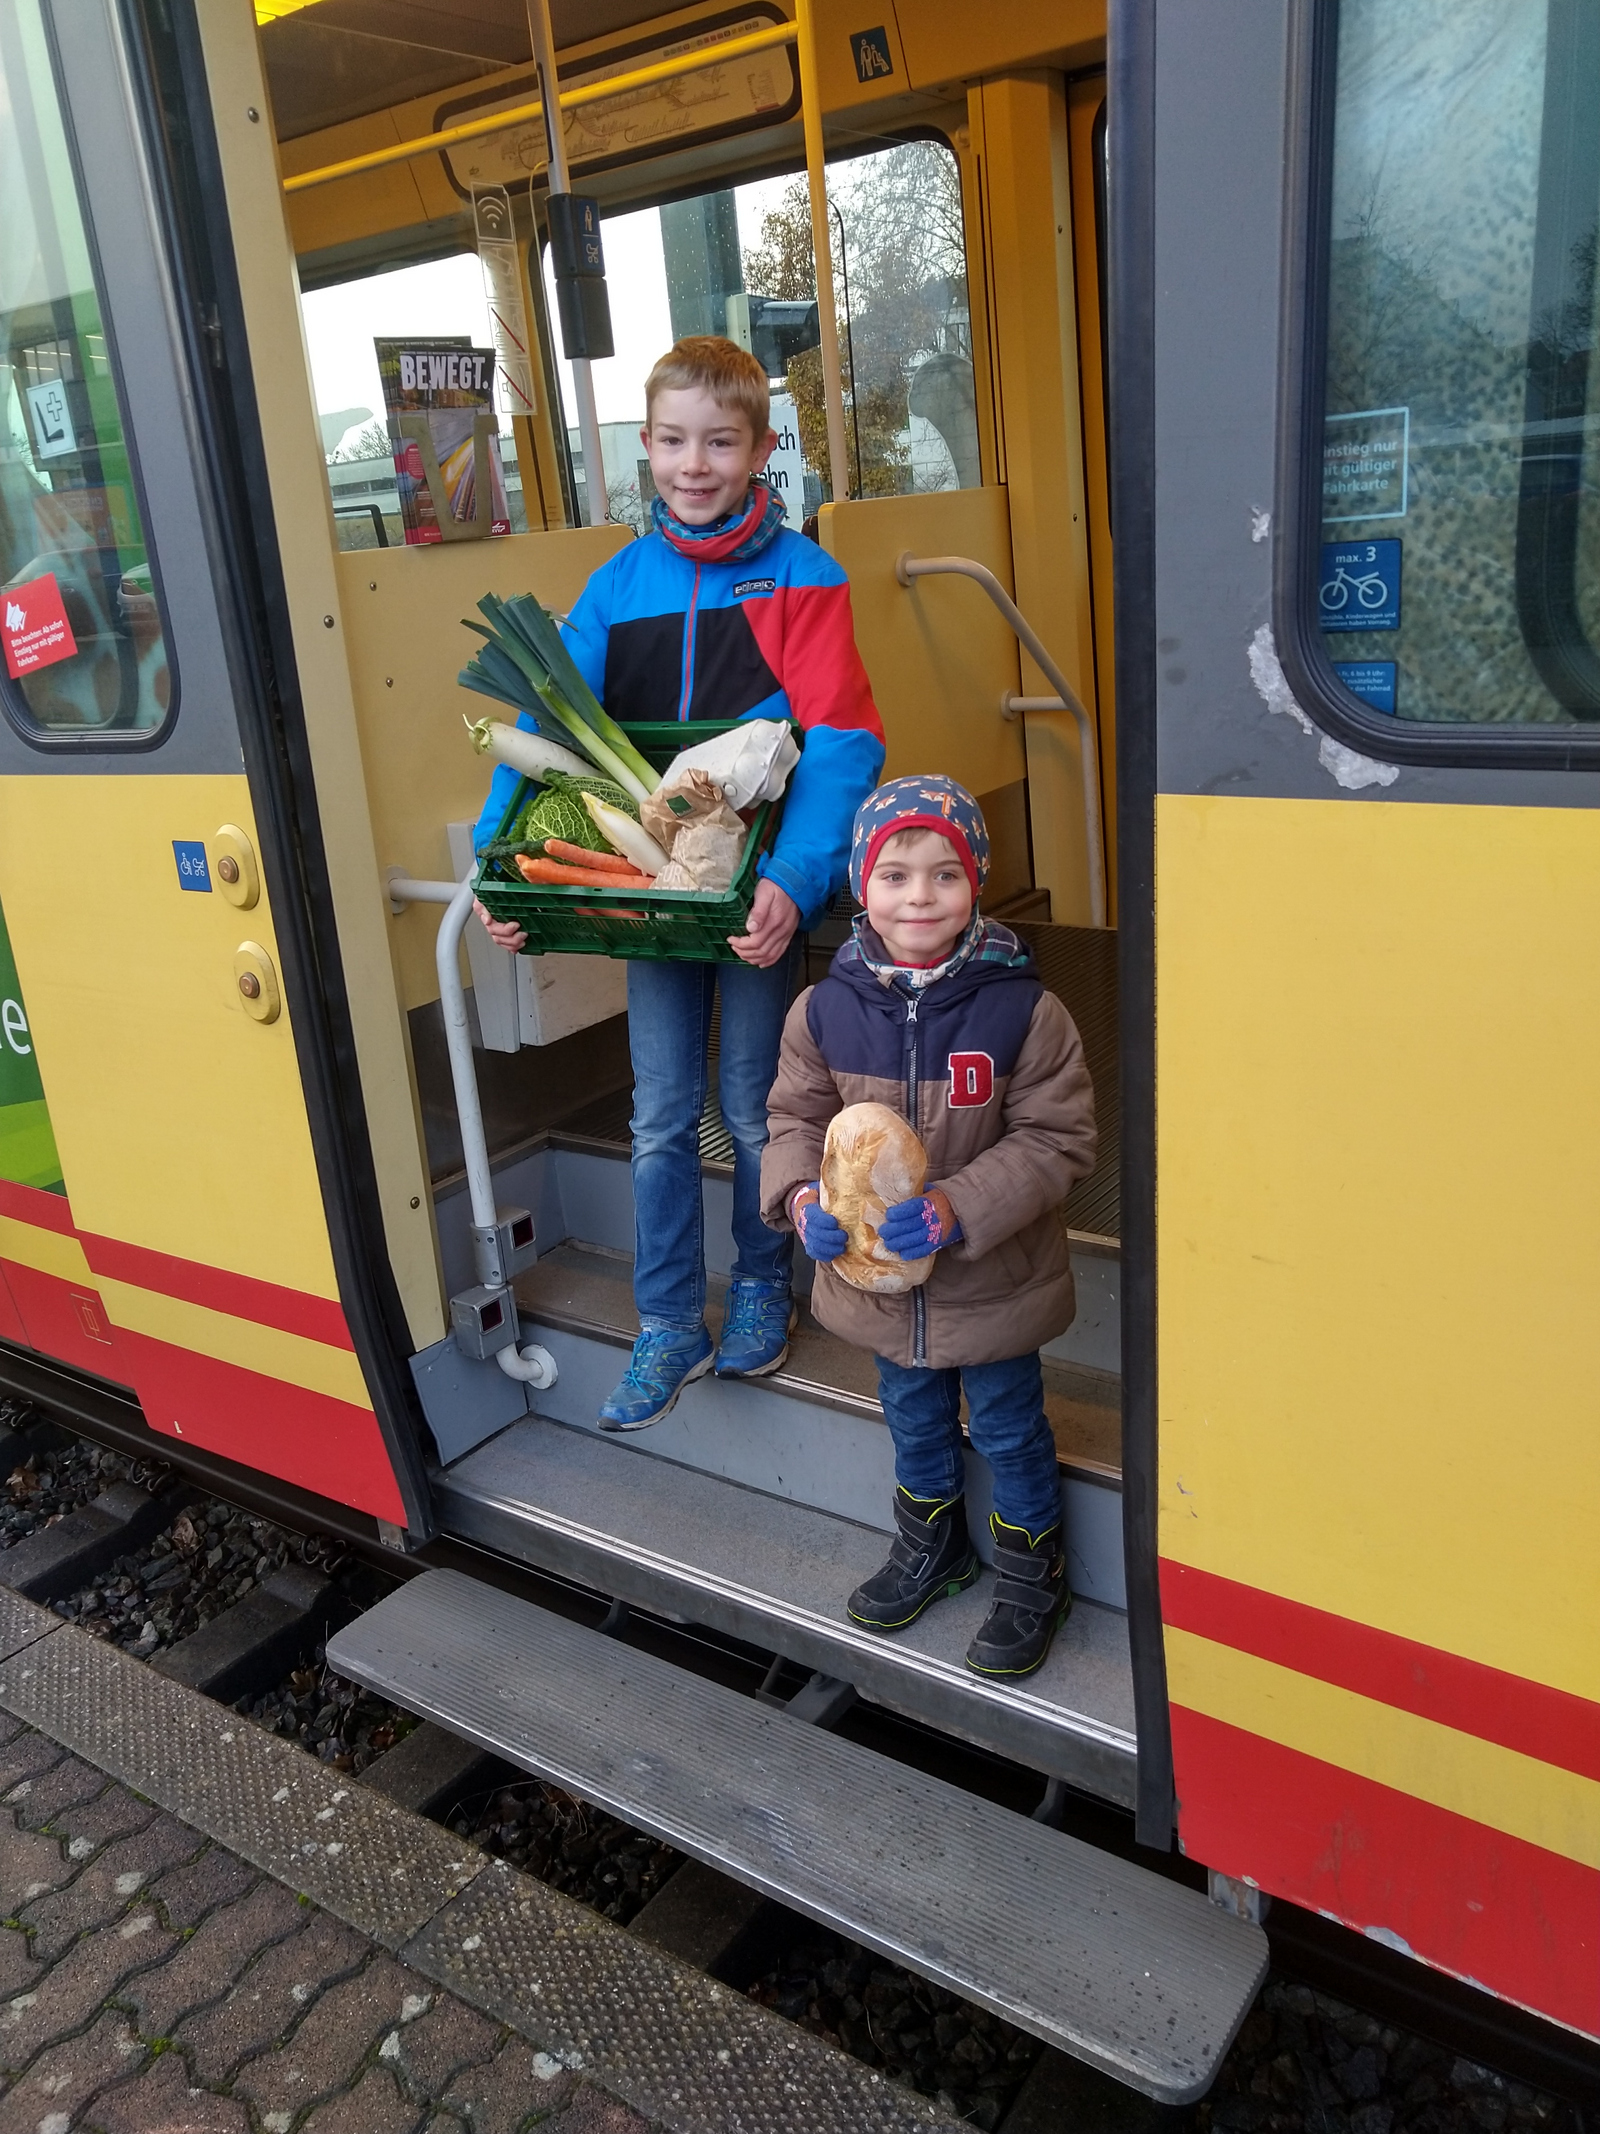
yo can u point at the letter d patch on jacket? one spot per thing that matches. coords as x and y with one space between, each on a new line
971 1078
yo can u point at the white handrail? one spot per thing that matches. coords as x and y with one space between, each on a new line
532 1365
457 900
907 569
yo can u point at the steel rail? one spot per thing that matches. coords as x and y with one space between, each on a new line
569 100
908 568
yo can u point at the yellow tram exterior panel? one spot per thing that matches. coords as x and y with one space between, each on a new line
1377 1274
180 1120
1378 1176
189 1257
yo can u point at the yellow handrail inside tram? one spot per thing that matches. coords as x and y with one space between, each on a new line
570 100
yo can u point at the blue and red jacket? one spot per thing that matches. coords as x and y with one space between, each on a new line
659 635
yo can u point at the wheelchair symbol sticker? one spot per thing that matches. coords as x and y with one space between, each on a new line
1360 586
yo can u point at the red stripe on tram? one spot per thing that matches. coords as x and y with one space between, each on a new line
1552 1725
241 1296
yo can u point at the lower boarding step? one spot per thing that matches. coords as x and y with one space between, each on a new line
1137 1975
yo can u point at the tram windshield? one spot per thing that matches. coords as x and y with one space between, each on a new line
1460 562
81 622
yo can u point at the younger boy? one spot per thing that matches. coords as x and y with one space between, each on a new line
719 613
938 1013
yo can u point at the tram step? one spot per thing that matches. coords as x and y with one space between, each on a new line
576 1289
1131 1972
665 1531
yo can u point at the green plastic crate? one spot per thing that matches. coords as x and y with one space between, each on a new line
659 925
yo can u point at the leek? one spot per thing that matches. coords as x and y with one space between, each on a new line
524 663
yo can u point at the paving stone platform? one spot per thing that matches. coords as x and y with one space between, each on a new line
205 1931
153 1980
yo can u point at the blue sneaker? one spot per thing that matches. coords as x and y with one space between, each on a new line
755 1333
663 1363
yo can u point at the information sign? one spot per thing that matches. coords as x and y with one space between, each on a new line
193 871
1364 459
34 627
785 471
1359 587
1370 679
53 431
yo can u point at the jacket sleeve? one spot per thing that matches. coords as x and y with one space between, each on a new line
803 1099
830 695
587 630
1047 1141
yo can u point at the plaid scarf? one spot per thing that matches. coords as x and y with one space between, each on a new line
985 941
734 538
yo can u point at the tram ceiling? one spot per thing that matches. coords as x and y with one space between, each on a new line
330 61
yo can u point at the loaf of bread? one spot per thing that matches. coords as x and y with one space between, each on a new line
871 1160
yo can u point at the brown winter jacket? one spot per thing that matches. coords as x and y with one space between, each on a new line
989 1069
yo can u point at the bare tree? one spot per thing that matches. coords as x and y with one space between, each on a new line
898 248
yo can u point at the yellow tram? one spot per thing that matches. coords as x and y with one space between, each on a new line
1199 405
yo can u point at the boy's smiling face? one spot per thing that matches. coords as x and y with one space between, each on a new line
918 897
701 454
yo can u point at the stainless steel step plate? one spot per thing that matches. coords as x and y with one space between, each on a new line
1135 1974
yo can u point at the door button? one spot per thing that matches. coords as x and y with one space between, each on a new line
257 982
234 865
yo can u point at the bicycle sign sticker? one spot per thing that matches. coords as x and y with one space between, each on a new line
1360 586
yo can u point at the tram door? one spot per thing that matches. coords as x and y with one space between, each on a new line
1373 691
162 1212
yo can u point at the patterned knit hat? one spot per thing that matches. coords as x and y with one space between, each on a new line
931 803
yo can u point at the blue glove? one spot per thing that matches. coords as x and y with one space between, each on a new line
914 1228
823 1235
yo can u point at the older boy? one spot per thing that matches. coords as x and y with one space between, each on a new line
720 613
939 1013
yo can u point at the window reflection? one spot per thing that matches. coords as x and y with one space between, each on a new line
739 261
80 617
1460 574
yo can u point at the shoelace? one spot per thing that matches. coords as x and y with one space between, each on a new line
645 1371
745 1309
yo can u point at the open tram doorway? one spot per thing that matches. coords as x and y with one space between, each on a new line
966 206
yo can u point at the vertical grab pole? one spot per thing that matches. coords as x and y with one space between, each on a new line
817 180
544 54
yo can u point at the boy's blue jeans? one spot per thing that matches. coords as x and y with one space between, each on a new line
669 1022
1006 1420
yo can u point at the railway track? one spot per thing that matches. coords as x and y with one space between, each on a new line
234 1595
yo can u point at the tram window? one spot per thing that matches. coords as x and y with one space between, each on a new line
1460 557
84 639
434 297
739 261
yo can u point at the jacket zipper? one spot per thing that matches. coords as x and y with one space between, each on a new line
919 1300
688 646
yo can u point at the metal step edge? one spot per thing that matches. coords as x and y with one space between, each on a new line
723 1427
1008 1721
1135 1974
791 1383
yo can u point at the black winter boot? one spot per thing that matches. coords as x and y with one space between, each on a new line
1031 1597
932 1555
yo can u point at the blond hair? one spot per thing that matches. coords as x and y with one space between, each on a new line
710 363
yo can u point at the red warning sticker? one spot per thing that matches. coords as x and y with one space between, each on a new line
34 627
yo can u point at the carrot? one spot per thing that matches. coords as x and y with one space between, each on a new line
544 872
557 848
